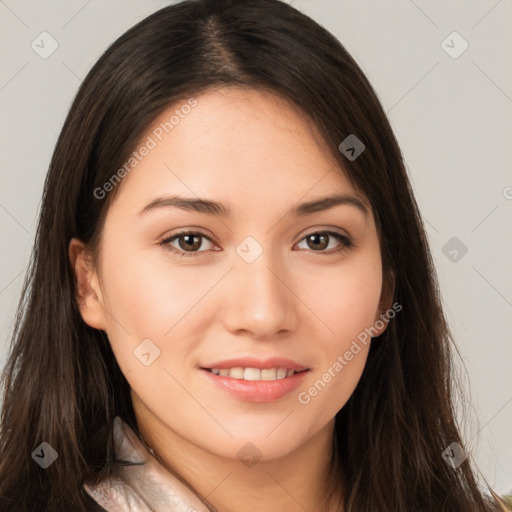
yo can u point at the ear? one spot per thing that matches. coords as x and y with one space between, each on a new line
88 291
386 301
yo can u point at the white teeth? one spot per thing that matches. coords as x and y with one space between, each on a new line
281 373
236 373
253 373
268 374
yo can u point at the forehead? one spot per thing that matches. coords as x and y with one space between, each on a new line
234 144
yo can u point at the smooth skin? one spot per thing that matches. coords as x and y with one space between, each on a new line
301 299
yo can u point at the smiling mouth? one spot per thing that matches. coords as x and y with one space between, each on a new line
254 374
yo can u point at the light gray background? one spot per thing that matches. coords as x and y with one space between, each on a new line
451 116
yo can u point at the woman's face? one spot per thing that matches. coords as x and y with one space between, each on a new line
262 282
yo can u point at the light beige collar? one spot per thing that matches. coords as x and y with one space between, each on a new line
144 488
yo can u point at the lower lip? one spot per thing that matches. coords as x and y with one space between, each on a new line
258 390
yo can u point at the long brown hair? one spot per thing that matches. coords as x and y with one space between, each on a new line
62 384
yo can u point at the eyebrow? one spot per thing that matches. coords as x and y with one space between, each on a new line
214 208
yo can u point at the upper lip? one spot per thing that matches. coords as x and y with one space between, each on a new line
252 362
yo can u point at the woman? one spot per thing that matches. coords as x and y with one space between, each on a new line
231 303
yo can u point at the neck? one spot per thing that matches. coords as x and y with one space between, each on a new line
295 482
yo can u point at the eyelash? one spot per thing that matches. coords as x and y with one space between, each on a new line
347 243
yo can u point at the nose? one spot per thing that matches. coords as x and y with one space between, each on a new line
259 299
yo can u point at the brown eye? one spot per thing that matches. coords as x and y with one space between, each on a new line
188 243
320 240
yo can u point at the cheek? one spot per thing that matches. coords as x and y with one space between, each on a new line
347 302
346 299
134 298
149 296
148 291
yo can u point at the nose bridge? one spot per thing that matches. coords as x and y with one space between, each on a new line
260 302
